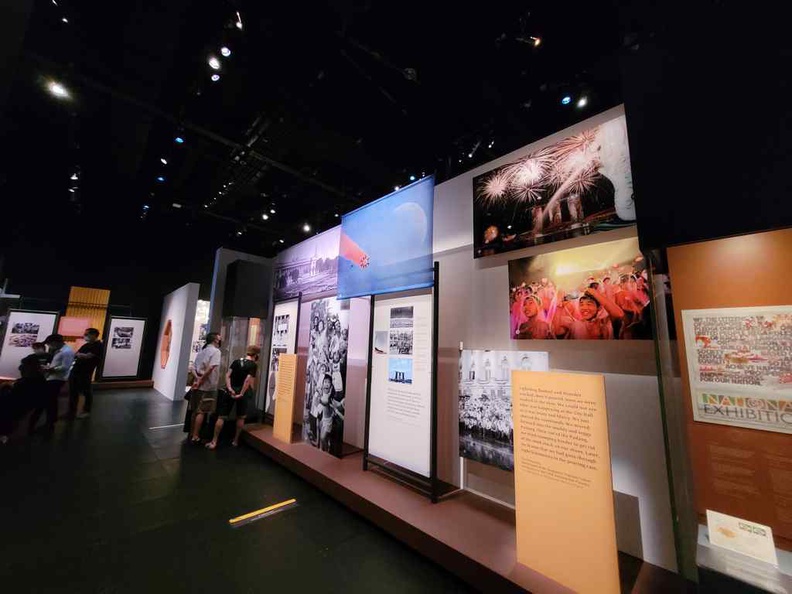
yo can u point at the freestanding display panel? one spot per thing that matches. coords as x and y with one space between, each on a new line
401 399
123 343
22 330
286 320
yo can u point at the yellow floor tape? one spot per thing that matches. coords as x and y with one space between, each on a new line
259 512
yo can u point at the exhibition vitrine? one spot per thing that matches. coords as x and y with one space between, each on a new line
514 354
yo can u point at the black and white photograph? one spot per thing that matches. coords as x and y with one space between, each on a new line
124 335
280 330
121 343
381 345
485 403
25 328
577 186
22 340
310 267
325 375
401 342
272 382
401 317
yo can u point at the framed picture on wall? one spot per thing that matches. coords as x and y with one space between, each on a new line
22 329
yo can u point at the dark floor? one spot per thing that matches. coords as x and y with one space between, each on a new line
110 505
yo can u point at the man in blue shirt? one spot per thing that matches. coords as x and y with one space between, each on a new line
57 374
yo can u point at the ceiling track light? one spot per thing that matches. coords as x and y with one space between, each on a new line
214 62
225 51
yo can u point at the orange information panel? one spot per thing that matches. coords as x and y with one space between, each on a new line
284 398
566 528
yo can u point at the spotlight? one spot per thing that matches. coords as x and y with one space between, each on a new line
396 188
265 216
176 205
179 140
58 90
145 207
160 179
566 100
239 233
537 41
65 20
72 190
238 21
214 63
336 215
281 241
272 211
215 77
164 161
412 178
225 51
508 226
583 101
74 177
307 228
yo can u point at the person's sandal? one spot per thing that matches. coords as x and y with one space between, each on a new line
211 445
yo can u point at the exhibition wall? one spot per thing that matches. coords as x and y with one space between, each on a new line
22 329
739 469
123 344
474 306
178 317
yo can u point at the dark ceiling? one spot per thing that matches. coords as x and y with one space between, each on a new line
319 108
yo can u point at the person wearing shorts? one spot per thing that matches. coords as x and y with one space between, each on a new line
240 382
204 396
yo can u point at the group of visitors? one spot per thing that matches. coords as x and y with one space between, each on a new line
43 375
206 398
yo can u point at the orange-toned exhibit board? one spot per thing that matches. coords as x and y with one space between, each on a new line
566 528
733 311
284 398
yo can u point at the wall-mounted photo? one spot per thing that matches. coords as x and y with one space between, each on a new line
401 317
577 186
597 292
25 328
310 267
381 342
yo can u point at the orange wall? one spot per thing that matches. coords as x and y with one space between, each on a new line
746 271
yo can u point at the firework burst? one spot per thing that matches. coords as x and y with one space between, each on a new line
494 188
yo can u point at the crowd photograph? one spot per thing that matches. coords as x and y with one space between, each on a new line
325 376
592 293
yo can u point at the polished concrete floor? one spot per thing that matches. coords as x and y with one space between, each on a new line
111 505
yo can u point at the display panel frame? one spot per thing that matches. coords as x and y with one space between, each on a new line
7 331
270 415
108 345
428 486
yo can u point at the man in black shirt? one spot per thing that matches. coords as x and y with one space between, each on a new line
85 363
240 382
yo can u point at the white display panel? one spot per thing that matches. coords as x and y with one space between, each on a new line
123 343
400 417
284 342
22 330
173 345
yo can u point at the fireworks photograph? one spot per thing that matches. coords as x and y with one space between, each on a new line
577 186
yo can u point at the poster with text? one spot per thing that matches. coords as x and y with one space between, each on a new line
23 328
740 366
284 342
310 267
563 486
597 292
485 403
577 186
123 343
325 375
386 246
400 418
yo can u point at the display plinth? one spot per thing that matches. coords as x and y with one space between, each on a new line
471 537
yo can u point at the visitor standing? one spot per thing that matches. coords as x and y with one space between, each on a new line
240 382
85 363
204 396
56 373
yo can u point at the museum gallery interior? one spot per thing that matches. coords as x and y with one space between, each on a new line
520 300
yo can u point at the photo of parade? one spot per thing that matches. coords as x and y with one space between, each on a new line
598 292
